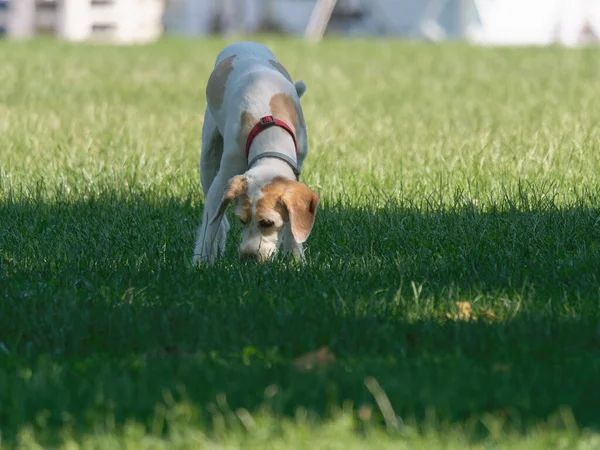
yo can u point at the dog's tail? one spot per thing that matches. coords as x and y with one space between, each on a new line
300 88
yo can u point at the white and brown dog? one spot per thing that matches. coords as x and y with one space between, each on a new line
253 146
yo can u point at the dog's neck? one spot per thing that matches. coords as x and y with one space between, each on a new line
275 140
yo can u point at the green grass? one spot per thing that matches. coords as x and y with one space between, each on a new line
447 174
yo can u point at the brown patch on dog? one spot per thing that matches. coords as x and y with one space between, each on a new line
237 186
294 201
280 69
215 89
247 122
271 199
301 203
244 208
284 107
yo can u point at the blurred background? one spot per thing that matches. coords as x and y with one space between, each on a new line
485 22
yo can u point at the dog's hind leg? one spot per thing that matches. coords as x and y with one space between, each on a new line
212 150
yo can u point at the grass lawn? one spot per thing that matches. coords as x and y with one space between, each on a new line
452 273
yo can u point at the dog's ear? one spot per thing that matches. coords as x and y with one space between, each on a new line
237 186
301 203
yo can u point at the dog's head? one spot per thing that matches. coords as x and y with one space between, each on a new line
265 209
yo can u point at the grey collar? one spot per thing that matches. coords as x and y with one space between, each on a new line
280 156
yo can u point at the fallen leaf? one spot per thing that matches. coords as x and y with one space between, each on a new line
464 311
365 412
316 360
499 367
489 315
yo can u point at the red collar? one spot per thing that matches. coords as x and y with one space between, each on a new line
263 124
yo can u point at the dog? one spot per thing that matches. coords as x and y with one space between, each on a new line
254 143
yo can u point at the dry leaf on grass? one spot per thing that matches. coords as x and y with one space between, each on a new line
499 367
365 412
317 360
464 311
489 315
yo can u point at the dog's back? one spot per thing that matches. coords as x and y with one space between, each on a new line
247 70
246 51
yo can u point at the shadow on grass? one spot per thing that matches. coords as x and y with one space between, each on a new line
102 318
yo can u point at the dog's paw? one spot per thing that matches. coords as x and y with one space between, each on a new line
295 254
299 259
201 260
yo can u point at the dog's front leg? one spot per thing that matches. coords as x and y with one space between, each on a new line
290 246
211 237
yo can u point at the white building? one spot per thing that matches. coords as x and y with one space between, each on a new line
485 22
354 17
489 22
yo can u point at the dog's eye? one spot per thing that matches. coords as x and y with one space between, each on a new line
266 223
